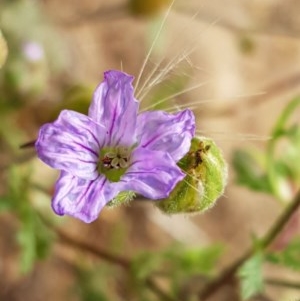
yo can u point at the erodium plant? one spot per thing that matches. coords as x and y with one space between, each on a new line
113 149
116 151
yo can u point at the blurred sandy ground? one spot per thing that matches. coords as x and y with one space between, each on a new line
243 48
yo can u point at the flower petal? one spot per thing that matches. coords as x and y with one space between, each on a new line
71 143
81 198
153 174
115 107
172 133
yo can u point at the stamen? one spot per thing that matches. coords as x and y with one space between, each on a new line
115 159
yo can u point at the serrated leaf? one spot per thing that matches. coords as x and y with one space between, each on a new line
251 277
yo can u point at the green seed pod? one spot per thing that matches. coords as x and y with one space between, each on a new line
206 176
3 50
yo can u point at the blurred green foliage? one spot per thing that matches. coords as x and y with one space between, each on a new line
33 236
92 284
289 256
273 170
175 265
250 170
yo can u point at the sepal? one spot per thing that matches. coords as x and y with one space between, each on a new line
123 198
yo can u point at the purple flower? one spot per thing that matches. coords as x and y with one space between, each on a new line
113 149
33 51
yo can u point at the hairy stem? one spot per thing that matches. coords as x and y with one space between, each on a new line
92 249
214 285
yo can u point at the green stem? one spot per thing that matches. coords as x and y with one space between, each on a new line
278 132
289 109
96 251
223 278
80 244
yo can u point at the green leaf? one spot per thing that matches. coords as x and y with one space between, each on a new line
291 155
91 284
289 257
145 264
175 265
282 129
5 203
248 172
280 125
142 267
34 239
251 277
27 242
181 263
194 260
33 236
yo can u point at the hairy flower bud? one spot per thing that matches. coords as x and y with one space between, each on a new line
205 180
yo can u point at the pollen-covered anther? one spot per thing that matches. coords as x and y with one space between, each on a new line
117 159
